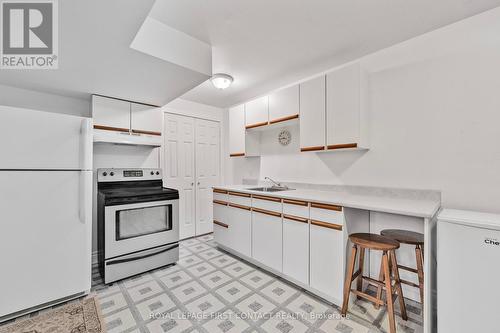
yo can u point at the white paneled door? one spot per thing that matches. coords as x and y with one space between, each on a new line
207 172
192 166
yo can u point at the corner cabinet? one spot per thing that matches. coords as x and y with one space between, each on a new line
237 131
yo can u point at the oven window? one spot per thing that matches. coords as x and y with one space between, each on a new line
143 221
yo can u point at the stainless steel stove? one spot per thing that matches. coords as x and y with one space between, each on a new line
138 222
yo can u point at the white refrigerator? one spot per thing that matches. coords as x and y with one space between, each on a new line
468 271
45 209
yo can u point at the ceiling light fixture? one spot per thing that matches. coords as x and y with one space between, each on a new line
221 80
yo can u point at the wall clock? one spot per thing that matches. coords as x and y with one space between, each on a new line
284 137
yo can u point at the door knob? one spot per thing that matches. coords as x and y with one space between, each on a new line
192 184
198 183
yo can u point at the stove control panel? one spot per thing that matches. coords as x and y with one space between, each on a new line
121 175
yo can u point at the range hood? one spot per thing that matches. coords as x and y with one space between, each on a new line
124 138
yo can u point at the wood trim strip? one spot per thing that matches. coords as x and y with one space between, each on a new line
219 202
221 224
239 206
146 132
266 212
216 190
343 146
262 197
327 225
313 148
239 194
325 206
295 202
264 123
236 154
279 120
110 128
295 218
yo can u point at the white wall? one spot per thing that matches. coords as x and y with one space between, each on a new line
434 103
36 100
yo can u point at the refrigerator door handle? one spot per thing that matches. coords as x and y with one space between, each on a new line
85 205
86 144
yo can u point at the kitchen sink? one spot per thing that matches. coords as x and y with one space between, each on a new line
270 189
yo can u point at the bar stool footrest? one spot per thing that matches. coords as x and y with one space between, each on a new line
408 283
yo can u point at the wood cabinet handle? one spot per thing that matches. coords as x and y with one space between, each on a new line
262 197
216 190
295 202
110 128
326 225
220 202
236 154
239 194
264 123
239 206
221 224
266 212
314 148
343 146
278 120
146 132
295 218
325 206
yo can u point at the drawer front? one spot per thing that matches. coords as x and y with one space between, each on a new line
267 203
296 208
327 213
220 196
239 198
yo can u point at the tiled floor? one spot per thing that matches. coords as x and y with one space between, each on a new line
212 291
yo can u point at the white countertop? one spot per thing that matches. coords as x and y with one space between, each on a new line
425 208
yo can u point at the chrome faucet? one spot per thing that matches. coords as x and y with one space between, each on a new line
276 183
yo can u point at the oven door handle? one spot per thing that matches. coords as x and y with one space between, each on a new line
120 261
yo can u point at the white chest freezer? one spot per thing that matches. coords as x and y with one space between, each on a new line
468 271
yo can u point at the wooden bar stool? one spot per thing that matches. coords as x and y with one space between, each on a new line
411 238
361 242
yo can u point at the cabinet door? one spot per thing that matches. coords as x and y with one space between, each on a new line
146 119
221 224
326 260
240 229
110 113
296 248
284 104
237 131
267 239
257 112
343 116
312 114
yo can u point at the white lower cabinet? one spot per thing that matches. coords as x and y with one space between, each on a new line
327 261
296 249
221 224
240 229
267 239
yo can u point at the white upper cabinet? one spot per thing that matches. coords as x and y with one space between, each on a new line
284 104
312 115
237 131
344 117
257 112
111 113
146 119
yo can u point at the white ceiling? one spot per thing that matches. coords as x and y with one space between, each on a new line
95 57
266 44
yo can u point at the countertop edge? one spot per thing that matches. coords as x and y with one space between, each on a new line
289 195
